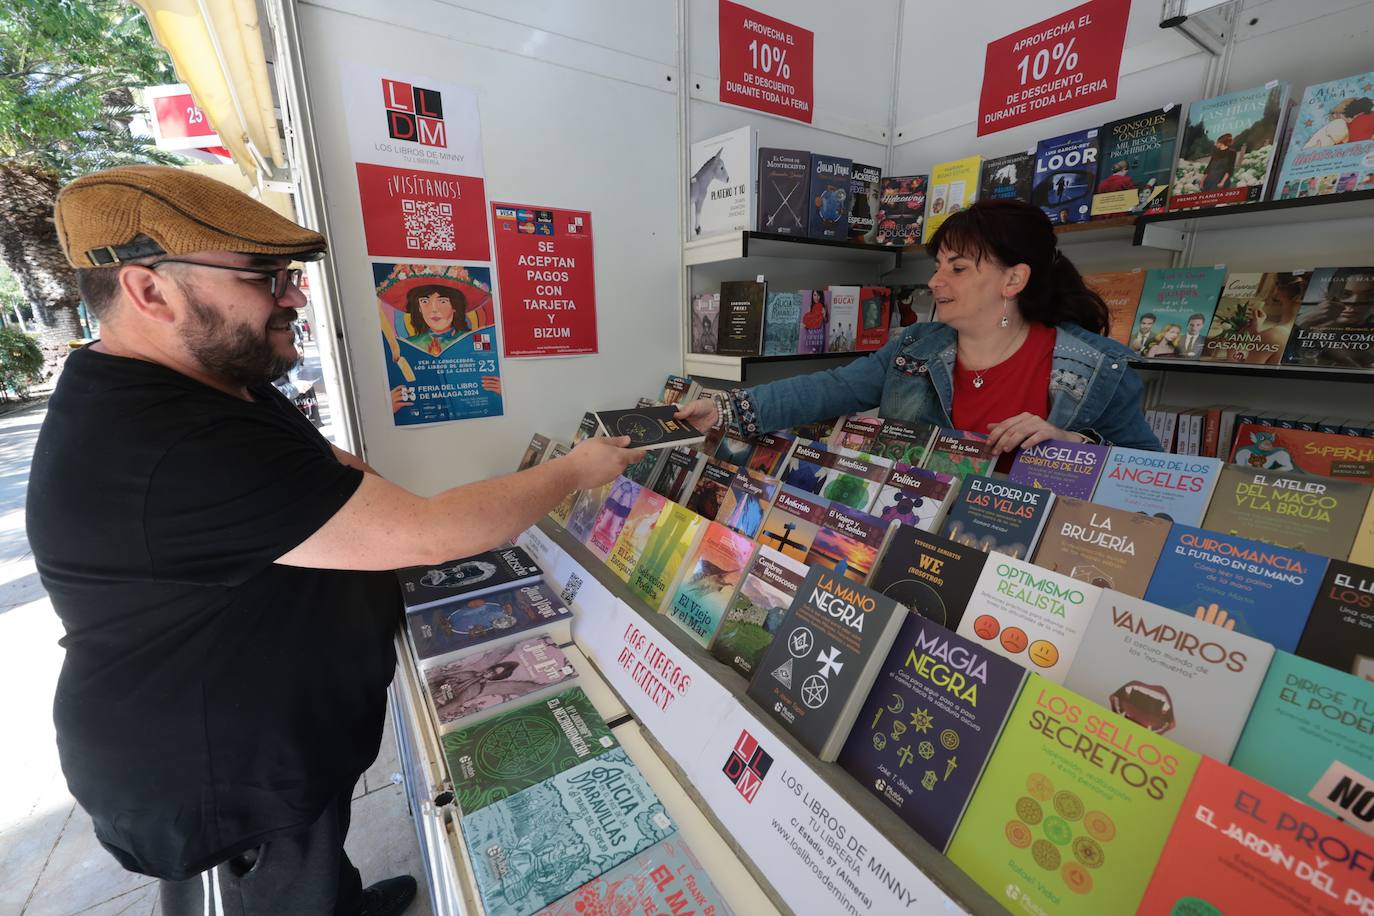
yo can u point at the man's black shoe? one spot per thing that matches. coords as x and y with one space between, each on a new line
389 897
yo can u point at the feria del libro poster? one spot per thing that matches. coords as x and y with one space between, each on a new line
417 149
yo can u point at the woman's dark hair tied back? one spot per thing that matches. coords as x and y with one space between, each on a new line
1014 232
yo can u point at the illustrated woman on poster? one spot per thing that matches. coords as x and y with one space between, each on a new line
438 330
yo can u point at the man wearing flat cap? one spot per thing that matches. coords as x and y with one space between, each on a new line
221 570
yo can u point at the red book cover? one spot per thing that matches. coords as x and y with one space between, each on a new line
1270 448
1239 846
875 308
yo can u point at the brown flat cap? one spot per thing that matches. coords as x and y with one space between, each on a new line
100 216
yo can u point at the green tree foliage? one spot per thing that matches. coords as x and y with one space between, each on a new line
66 68
66 71
21 362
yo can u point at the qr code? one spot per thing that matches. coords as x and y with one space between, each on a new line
429 226
570 590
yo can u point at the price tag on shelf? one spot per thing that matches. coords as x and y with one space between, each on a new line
765 64
1063 63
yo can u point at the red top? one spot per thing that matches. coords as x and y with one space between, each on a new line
1018 384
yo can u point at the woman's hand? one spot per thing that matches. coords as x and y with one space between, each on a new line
1023 431
700 414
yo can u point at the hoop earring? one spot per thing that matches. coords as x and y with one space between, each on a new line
1005 320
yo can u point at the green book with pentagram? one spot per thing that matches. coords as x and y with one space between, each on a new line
496 758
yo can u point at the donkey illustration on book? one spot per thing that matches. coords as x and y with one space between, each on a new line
712 170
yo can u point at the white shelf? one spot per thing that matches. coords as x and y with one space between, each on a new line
737 246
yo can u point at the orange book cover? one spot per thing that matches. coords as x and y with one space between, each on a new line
1269 448
1121 291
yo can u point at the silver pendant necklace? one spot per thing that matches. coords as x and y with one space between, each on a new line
978 373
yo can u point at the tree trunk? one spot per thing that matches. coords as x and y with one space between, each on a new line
29 246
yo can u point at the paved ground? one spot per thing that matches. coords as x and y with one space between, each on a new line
50 862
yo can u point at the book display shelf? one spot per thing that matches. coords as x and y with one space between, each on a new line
1165 231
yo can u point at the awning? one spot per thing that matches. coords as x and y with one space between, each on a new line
217 49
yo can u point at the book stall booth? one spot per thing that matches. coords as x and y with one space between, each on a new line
848 668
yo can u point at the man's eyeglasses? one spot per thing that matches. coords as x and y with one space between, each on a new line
281 278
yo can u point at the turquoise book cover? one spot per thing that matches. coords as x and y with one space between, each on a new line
1311 734
540 845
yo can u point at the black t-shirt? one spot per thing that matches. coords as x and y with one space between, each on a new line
210 699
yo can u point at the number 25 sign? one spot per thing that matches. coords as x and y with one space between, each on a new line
1063 63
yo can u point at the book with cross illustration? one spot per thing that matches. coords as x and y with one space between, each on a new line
815 675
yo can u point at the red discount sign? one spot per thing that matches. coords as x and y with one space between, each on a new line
548 290
765 64
178 122
1063 63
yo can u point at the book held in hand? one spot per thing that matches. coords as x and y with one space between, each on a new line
814 677
929 725
648 427
427 586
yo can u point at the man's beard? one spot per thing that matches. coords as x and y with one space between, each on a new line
237 353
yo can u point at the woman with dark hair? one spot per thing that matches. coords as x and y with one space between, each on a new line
438 315
1016 352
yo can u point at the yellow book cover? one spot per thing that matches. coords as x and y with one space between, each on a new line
675 532
953 186
1363 550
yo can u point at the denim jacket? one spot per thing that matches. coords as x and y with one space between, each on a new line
1092 387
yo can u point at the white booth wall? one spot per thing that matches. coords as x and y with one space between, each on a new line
579 109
